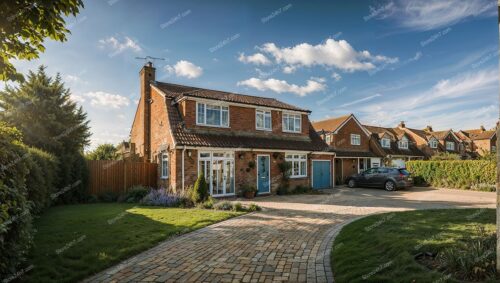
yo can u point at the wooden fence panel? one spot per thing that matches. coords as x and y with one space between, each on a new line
119 175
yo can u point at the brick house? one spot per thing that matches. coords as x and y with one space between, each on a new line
478 141
395 145
432 142
233 139
351 143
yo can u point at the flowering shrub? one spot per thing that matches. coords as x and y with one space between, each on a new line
161 197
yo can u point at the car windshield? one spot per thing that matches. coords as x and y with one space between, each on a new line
404 172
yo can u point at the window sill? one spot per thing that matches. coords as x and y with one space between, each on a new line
264 129
292 132
298 177
213 126
163 178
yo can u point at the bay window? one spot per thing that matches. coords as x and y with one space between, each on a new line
263 120
298 164
212 115
292 123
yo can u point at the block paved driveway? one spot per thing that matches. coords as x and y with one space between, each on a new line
290 240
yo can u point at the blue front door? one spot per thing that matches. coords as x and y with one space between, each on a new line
263 178
321 174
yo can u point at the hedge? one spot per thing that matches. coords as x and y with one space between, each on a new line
42 179
457 174
15 216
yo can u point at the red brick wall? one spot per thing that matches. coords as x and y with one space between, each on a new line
342 140
484 145
240 119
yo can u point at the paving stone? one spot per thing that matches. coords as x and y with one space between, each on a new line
289 241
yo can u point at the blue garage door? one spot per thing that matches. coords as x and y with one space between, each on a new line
321 174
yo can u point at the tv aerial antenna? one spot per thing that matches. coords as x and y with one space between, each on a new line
150 59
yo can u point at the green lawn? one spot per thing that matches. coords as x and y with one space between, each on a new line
381 248
75 241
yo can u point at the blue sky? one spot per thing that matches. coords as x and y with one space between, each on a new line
425 62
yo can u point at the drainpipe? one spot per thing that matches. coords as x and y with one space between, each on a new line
183 151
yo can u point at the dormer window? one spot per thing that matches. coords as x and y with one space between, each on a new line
328 138
212 115
292 123
263 120
385 142
450 145
433 143
403 143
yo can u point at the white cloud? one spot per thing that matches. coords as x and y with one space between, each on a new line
448 103
361 100
72 79
336 76
77 98
104 99
332 53
185 68
433 14
257 59
289 69
118 46
281 86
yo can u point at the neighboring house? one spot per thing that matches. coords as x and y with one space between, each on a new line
232 139
479 141
434 142
394 144
351 143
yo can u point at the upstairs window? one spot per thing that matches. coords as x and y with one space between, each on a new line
450 145
263 120
355 139
298 164
164 165
493 148
433 143
292 123
328 139
385 142
403 143
212 115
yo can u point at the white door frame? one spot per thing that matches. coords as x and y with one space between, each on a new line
268 171
312 170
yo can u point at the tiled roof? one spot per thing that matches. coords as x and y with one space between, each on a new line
441 135
179 91
330 125
226 139
479 134
394 149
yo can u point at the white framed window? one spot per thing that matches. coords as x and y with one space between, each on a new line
403 143
450 145
493 148
164 165
433 143
385 142
328 138
212 115
355 139
292 123
298 165
263 120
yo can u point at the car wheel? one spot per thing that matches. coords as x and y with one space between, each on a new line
390 186
351 183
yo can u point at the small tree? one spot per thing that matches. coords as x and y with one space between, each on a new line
200 190
104 151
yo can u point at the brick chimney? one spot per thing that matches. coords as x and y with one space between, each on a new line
428 129
402 124
147 76
482 128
